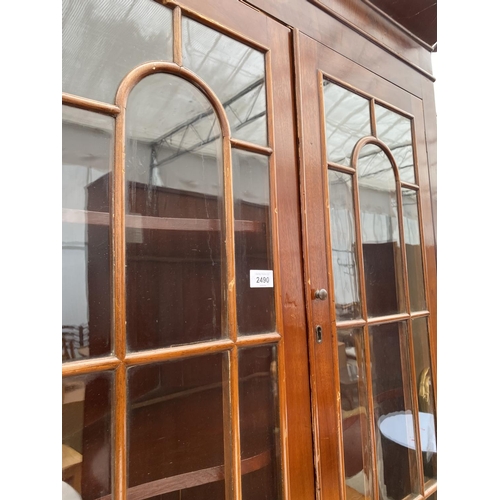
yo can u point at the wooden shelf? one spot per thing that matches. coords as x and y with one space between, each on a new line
163 223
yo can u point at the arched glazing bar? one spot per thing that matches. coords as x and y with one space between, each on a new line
231 448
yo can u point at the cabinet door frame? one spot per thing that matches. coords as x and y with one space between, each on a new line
313 60
254 28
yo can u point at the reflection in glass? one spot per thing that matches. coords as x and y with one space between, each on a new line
259 423
347 117
86 435
343 240
395 443
395 131
413 250
253 241
380 233
235 72
425 389
355 426
176 431
86 297
174 212
103 40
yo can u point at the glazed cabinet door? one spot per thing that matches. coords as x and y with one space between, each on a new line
185 370
369 278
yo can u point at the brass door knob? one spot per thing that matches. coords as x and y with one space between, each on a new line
321 294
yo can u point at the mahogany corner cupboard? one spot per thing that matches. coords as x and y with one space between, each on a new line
248 251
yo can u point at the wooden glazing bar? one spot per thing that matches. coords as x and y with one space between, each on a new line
430 487
408 392
366 340
390 318
373 118
235 425
84 366
283 412
118 236
228 235
414 151
419 314
183 351
371 413
352 323
120 434
341 168
330 283
408 185
406 343
416 416
90 105
232 325
117 197
213 24
252 148
413 496
261 338
408 361
228 430
177 20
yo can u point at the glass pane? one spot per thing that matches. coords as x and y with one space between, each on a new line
176 429
235 72
355 426
86 293
427 412
395 130
259 423
380 233
86 435
253 243
343 238
413 250
103 40
347 117
174 213
395 443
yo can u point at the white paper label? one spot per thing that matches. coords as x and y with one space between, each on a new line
261 279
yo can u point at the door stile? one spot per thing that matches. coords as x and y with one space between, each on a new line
293 370
330 285
427 232
324 396
275 251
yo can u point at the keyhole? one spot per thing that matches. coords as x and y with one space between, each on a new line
319 334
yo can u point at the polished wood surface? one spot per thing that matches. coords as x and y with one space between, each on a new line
356 31
418 17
